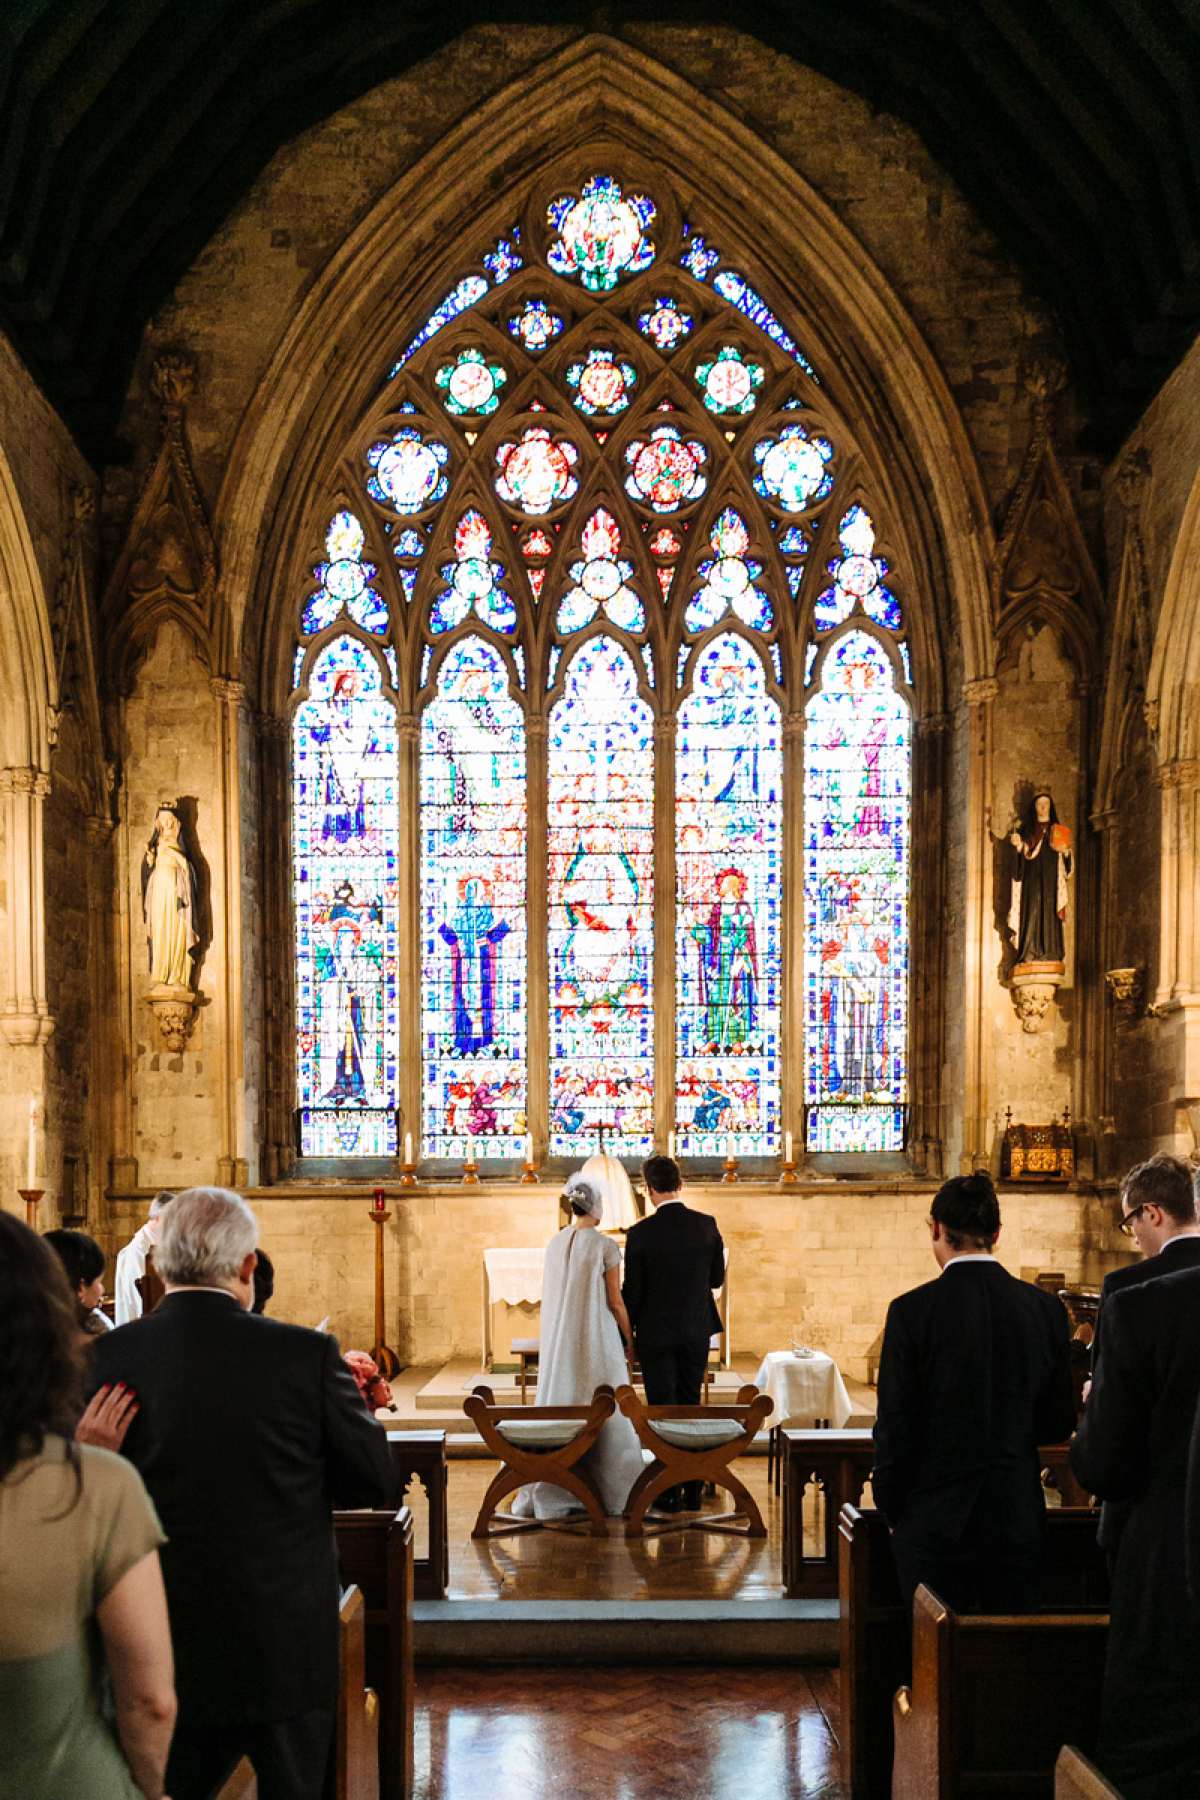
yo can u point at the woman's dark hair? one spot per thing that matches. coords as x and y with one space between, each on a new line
41 1352
79 1254
967 1210
580 1212
264 1281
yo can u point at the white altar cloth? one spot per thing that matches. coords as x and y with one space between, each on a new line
804 1388
514 1275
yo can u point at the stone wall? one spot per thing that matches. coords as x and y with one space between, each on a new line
820 1264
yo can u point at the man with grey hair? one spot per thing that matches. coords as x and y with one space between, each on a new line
247 1433
131 1261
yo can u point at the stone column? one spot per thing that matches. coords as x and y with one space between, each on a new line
927 961
277 949
663 987
1179 955
26 1018
792 939
1100 1073
232 1159
978 696
537 925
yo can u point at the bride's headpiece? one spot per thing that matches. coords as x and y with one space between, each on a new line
583 1193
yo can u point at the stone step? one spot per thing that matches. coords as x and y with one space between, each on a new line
580 1633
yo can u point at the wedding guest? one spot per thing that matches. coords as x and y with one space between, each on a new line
247 1432
131 1261
83 1260
80 1583
264 1281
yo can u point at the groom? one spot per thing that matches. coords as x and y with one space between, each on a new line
673 1261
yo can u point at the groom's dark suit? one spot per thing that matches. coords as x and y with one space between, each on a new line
673 1261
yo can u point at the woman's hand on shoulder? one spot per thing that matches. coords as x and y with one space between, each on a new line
108 1416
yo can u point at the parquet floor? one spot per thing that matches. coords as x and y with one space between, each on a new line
555 1565
627 1734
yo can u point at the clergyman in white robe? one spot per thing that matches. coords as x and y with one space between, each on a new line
580 1349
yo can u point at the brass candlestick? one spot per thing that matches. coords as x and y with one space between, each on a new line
469 1177
384 1357
787 1175
408 1174
31 1196
530 1172
730 1165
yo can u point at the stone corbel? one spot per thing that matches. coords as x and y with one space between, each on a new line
26 1018
175 1010
1126 987
1034 987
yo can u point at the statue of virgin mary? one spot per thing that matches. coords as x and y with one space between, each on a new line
169 903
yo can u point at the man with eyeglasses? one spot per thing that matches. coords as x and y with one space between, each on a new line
974 1374
1132 1450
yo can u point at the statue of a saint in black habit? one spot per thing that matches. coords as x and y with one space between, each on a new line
1042 866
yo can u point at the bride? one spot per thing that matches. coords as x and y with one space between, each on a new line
585 1340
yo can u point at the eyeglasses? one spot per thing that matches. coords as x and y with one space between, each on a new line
1126 1222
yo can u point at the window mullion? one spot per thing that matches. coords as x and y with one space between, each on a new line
665 901
791 1021
408 900
538 921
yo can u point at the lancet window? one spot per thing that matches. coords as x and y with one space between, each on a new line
565 649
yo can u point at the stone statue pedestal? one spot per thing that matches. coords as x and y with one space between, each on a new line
1034 985
175 1010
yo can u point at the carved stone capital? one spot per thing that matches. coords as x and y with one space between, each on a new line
1150 710
980 693
24 781
793 727
537 728
934 725
408 727
233 693
173 378
665 730
1033 996
1131 482
175 1010
1044 377
1184 773
270 728
1126 987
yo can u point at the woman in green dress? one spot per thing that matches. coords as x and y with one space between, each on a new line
87 1699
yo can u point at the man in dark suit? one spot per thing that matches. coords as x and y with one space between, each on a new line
1132 1447
673 1261
974 1374
1158 1211
246 1431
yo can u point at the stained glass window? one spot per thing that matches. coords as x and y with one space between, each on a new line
541 511
473 888
728 844
856 798
345 851
601 867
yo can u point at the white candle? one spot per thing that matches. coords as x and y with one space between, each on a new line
31 1176
671 1145
729 1148
787 1146
529 1147
408 1147
470 1148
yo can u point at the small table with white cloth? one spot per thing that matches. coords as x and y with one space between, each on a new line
808 1391
513 1276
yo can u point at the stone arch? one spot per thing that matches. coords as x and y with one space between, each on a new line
397 261
28 705
1175 663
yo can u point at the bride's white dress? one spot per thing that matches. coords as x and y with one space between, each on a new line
580 1348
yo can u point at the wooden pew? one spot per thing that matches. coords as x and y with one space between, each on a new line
354 1764
993 1699
376 1551
840 1463
1076 1779
875 1644
240 1784
423 1454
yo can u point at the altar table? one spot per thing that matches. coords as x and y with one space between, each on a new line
513 1276
808 1391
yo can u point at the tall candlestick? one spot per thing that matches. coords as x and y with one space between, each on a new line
671 1145
31 1177
787 1146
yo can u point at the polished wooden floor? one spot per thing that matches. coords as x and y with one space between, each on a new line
627 1734
557 1565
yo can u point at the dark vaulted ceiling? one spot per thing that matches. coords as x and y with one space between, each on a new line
130 128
